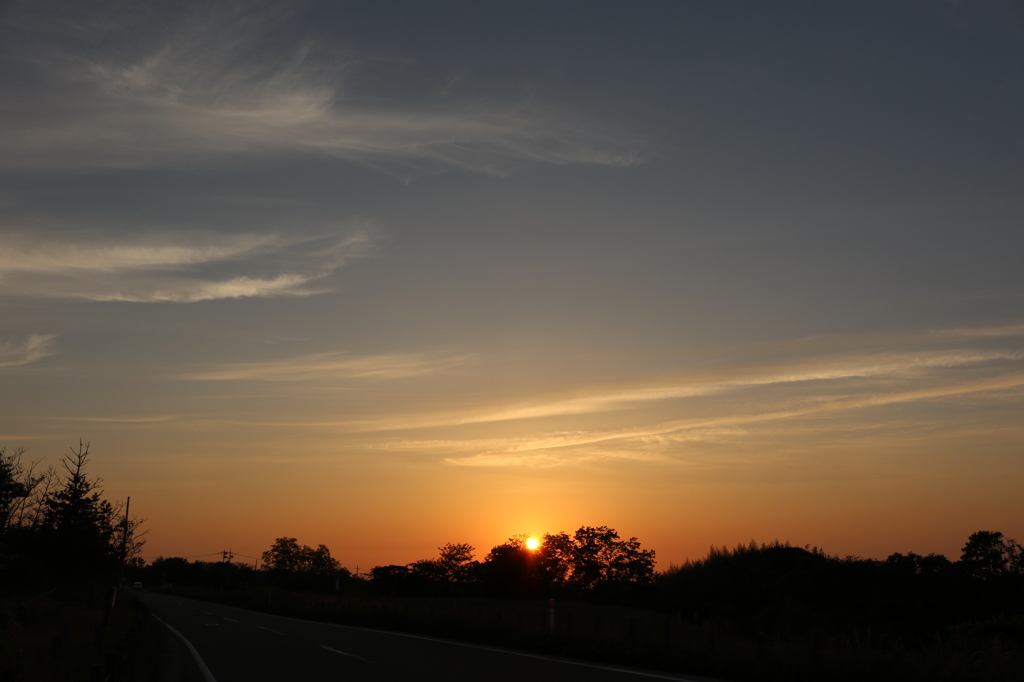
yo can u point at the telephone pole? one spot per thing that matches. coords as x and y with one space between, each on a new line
124 536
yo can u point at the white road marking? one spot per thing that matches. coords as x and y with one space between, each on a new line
269 630
207 675
343 653
468 645
230 619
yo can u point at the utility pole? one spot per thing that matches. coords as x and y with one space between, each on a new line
124 536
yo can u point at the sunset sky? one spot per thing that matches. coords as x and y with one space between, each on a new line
384 276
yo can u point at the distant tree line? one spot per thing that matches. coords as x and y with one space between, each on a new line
752 585
592 562
755 590
787 589
58 530
56 527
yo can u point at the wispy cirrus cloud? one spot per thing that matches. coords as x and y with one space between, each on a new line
321 365
211 90
36 346
172 267
979 333
563 449
159 419
92 252
795 399
827 370
728 401
833 371
891 365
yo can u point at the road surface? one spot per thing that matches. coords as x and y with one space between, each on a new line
235 645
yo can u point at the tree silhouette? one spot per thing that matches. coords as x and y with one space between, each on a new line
915 564
302 567
595 557
510 569
988 554
287 555
592 558
455 563
76 521
14 486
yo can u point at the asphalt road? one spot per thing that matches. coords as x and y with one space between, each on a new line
247 646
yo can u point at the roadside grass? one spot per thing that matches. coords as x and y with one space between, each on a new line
992 652
59 636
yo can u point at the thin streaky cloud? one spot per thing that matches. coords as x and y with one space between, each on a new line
548 460
878 342
25 253
122 420
890 366
36 346
978 333
194 291
174 267
985 386
322 365
910 367
542 442
18 438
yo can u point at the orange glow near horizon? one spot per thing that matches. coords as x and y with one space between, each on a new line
391 314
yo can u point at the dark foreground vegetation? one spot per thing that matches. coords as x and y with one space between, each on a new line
63 548
79 635
756 612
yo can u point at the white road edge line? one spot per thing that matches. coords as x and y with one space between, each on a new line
207 675
344 653
269 630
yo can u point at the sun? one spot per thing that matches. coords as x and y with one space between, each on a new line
532 543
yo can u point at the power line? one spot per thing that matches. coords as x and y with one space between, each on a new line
197 556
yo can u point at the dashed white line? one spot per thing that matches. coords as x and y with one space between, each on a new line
269 630
469 645
230 619
344 653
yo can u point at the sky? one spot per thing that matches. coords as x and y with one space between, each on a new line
383 276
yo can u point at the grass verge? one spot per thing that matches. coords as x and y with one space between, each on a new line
71 635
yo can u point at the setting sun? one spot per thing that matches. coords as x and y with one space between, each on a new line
532 543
